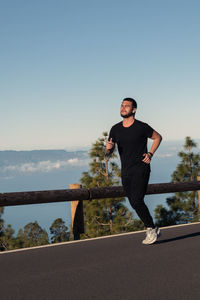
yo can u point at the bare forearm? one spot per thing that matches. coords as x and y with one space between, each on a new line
110 145
156 142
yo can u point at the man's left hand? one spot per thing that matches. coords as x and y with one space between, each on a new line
147 158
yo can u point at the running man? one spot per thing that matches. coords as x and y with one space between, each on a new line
131 136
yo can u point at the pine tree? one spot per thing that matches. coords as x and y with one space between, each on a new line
1 221
59 231
32 235
105 216
183 206
7 239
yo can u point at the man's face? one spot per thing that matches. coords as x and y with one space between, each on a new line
126 109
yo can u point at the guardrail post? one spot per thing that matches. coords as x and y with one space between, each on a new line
77 214
198 178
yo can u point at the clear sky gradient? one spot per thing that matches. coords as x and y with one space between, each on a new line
66 65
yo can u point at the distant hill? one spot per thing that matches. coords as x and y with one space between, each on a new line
55 169
16 157
20 163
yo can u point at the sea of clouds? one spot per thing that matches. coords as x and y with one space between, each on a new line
44 166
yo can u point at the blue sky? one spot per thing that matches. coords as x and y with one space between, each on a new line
66 65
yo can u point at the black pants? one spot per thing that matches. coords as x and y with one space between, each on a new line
135 186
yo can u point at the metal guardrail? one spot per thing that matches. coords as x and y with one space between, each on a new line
38 197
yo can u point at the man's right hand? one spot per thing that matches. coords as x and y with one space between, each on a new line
109 145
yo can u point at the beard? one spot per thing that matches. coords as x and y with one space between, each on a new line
128 115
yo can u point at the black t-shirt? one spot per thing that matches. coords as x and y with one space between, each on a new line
131 142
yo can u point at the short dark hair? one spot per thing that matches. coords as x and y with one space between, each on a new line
134 103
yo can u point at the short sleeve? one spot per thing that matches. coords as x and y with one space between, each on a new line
148 130
112 135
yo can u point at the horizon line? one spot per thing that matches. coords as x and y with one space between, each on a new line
78 148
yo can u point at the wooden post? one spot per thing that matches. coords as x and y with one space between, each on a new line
198 178
77 214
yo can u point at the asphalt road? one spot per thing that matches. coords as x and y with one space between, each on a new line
111 268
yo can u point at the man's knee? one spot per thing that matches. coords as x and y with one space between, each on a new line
136 204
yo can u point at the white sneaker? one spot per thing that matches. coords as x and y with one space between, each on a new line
151 235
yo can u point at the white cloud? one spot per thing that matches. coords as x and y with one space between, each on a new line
46 166
164 155
7 177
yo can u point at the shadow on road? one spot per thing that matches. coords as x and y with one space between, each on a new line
179 238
